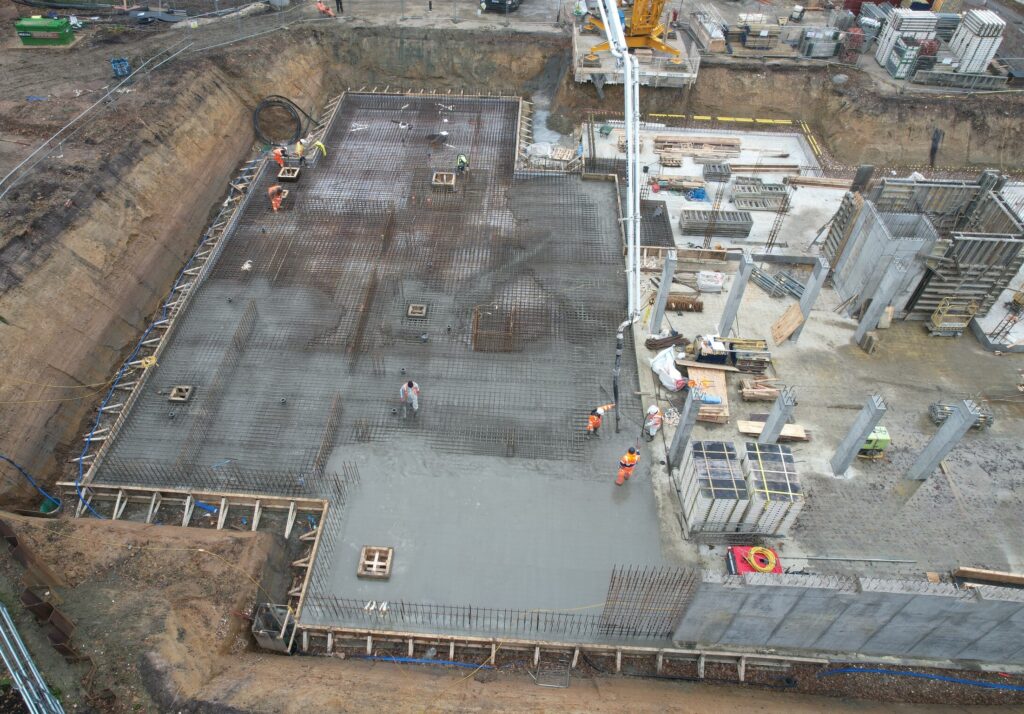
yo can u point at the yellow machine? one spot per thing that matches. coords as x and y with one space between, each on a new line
643 26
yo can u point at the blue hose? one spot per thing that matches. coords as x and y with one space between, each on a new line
417 660
924 675
28 477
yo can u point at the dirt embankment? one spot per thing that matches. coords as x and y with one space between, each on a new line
158 609
859 123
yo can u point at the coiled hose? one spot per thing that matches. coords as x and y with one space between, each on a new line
293 109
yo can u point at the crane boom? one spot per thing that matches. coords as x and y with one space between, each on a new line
644 27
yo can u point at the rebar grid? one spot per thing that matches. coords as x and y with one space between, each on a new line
330 279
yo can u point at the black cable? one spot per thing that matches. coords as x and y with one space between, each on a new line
293 109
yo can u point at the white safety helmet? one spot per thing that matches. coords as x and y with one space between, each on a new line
303 142
652 409
600 411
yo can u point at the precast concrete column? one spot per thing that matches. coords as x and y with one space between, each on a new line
810 296
951 431
778 416
667 273
862 178
687 419
739 285
861 429
887 288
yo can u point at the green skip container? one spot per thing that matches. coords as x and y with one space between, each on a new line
37 31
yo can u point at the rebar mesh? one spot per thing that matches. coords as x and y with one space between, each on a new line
317 331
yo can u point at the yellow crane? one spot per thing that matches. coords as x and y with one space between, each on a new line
644 27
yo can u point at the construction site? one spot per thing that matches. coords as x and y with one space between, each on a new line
543 344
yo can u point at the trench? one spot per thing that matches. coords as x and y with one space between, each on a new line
93 241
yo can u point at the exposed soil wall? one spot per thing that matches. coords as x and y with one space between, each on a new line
859 123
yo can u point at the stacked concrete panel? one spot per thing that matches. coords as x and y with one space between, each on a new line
727 224
856 616
776 496
711 487
977 39
912 24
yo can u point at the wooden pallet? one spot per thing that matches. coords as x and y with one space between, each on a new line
375 562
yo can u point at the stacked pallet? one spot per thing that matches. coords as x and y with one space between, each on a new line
718 172
753 194
727 224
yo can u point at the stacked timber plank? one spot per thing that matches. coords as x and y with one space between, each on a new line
727 224
678 183
818 181
740 168
671 150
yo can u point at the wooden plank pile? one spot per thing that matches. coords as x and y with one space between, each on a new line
678 183
786 325
671 150
738 168
759 389
712 382
818 181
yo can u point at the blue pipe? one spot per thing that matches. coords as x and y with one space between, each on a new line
28 477
924 675
417 660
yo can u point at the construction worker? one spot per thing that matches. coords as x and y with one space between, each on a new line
276 194
278 154
652 422
410 397
320 145
300 151
594 421
462 163
626 464
324 10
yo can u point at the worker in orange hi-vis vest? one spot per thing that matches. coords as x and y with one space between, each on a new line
278 154
323 9
594 421
626 464
276 195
